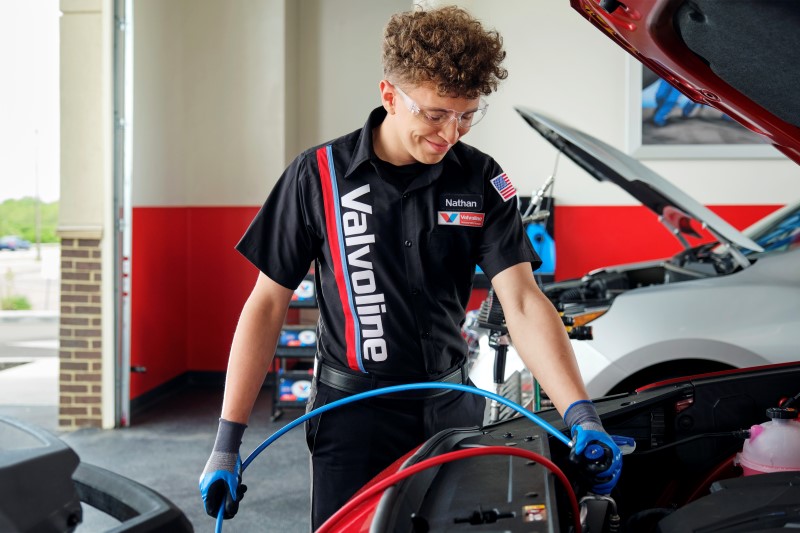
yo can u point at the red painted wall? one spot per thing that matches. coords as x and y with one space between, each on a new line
159 262
188 287
189 283
590 237
219 281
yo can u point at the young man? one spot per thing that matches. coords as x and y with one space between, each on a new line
395 217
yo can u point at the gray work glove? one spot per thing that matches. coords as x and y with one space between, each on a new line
221 480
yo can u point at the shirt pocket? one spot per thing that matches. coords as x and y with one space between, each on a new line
451 254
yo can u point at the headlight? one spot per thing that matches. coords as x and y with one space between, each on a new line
575 322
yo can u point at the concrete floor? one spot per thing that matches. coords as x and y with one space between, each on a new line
166 449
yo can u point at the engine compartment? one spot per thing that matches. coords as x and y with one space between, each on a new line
598 289
687 436
601 286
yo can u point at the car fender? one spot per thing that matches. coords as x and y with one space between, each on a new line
598 373
719 309
650 355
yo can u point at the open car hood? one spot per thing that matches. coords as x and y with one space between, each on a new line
739 57
605 163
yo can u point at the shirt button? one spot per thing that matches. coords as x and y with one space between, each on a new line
405 196
414 291
426 334
408 244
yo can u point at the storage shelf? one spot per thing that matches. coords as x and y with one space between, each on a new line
303 305
304 350
297 340
301 352
286 387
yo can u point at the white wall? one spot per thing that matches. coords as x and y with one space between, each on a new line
209 101
86 123
158 169
227 91
338 45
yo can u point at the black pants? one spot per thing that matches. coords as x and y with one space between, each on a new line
352 444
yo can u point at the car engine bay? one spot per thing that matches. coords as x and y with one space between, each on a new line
685 474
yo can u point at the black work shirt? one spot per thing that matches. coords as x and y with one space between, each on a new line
394 262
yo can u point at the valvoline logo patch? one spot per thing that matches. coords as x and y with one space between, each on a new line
460 218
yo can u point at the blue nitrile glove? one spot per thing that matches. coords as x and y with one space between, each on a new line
593 449
221 479
601 458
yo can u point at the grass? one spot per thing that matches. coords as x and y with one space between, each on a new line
15 303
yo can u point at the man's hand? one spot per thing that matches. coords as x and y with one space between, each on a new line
593 449
221 480
220 485
599 457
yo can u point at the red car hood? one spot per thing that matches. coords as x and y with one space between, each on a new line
738 56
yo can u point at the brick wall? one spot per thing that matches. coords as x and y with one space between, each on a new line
80 335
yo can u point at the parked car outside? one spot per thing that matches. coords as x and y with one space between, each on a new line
14 242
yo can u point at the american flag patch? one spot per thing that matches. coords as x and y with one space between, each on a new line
504 187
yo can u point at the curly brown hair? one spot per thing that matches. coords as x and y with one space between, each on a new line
447 47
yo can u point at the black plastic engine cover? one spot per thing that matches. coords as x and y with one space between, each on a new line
489 493
760 503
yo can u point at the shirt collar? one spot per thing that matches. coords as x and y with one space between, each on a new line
365 150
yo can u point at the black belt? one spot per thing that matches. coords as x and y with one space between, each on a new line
354 383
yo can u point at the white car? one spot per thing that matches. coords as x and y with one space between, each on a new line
733 303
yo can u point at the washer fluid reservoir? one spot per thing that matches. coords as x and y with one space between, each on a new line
773 446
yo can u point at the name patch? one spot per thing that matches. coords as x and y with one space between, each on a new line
461 202
460 218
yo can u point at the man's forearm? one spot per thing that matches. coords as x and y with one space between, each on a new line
253 349
250 359
541 341
539 336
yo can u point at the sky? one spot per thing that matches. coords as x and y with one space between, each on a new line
29 99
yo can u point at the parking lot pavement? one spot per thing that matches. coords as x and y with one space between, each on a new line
29 338
29 367
31 383
28 334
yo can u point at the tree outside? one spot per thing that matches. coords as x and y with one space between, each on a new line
19 217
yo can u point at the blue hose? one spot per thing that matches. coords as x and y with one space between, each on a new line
400 388
389 390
